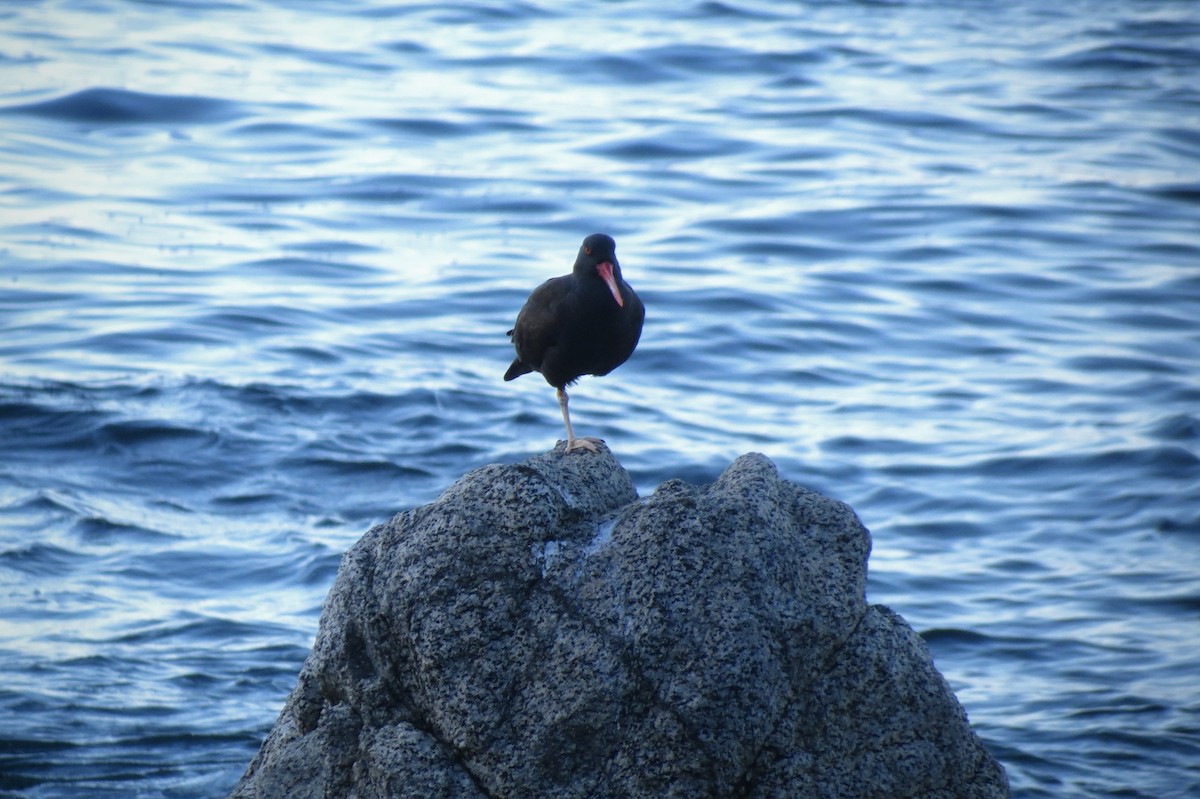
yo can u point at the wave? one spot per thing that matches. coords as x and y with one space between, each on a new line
106 106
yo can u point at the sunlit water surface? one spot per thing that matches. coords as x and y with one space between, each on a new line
940 260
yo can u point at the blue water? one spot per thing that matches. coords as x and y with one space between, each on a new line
938 259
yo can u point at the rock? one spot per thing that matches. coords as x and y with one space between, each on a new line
539 631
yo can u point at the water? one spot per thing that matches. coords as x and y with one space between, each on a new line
939 260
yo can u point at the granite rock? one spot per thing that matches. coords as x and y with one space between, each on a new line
540 631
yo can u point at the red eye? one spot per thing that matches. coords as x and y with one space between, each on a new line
587 250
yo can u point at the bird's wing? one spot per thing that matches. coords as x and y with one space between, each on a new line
538 324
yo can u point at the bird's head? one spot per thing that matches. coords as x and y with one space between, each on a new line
598 258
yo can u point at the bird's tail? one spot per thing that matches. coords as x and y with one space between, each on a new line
516 369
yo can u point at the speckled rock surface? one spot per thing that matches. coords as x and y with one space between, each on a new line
539 631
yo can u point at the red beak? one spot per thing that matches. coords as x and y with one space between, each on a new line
606 274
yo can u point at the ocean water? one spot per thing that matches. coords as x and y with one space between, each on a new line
940 260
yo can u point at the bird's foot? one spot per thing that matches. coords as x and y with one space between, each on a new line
585 442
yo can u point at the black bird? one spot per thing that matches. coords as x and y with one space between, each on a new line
584 323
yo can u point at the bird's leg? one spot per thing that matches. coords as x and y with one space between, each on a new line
573 442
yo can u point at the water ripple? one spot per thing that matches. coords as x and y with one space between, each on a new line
107 106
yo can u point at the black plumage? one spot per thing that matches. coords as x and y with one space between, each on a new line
584 323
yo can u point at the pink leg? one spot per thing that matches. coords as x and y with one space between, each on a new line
573 442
